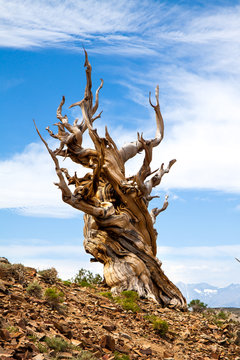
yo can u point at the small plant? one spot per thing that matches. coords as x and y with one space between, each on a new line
57 343
19 272
197 306
35 289
54 297
42 348
49 275
107 294
12 329
159 325
86 278
15 271
85 355
222 315
118 356
33 338
128 301
67 282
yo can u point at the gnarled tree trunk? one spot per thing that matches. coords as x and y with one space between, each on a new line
118 228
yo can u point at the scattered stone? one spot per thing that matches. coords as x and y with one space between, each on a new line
146 351
109 327
107 342
5 335
26 322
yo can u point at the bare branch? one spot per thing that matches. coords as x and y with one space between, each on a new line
159 120
95 107
104 210
59 109
156 179
145 170
155 212
131 149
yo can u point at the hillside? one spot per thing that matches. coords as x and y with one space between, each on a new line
84 324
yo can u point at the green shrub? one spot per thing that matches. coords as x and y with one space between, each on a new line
12 329
35 289
49 276
57 343
67 282
128 301
107 294
85 355
197 306
54 297
159 325
222 315
118 356
15 271
42 348
86 278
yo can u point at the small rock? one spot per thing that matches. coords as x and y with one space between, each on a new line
64 355
126 336
4 334
146 351
2 287
39 357
109 327
107 342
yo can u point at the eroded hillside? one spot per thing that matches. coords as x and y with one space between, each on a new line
74 322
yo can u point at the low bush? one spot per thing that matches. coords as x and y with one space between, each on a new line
159 325
85 355
67 282
197 306
222 315
34 289
12 329
54 297
12 271
118 356
107 294
57 343
42 348
128 301
49 276
87 278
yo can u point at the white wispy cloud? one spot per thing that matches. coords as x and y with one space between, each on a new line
199 76
50 23
34 194
212 264
123 27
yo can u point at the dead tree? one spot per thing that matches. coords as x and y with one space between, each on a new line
118 227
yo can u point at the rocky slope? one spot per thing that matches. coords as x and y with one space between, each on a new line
87 325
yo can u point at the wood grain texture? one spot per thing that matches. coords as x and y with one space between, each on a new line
118 226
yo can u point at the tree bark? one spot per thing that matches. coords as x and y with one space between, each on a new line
118 227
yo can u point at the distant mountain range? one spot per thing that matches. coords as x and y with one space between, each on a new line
213 296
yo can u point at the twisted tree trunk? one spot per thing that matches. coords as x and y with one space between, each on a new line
118 227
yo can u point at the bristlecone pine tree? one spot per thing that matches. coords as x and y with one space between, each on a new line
118 228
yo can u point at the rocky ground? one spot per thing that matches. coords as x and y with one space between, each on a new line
86 325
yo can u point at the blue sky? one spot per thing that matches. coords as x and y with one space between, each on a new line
192 50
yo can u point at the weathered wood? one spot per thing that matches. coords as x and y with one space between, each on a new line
118 226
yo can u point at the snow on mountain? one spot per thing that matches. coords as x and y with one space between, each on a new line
213 296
